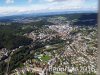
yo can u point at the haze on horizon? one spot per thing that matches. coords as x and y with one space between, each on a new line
16 7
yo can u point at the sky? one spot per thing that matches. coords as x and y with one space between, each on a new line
15 7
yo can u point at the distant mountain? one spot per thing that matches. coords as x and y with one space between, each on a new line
48 13
68 14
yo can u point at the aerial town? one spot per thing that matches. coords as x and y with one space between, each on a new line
49 45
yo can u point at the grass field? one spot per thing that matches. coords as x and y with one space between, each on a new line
45 58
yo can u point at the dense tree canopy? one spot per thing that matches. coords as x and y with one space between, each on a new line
10 41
